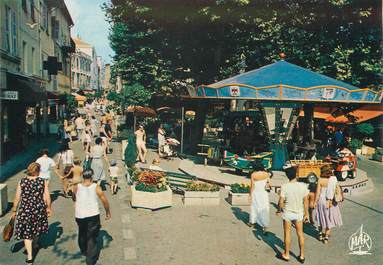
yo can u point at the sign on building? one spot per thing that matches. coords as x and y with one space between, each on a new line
10 95
328 93
235 91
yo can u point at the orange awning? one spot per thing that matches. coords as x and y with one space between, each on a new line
362 114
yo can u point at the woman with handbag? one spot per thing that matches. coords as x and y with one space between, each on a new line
327 210
31 208
65 164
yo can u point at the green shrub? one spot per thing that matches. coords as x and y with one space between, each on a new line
355 144
149 188
240 188
130 154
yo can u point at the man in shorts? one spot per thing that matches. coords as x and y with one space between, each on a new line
293 206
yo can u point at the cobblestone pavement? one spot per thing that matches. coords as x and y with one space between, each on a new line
215 235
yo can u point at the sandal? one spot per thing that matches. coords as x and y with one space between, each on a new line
320 236
301 260
250 225
280 256
325 240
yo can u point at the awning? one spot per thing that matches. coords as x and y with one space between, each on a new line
282 81
142 111
362 114
30 89
79 97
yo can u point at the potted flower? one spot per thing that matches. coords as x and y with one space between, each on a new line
239 194
200 193
150 190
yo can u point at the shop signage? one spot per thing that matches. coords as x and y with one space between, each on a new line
328 93
235 91
10 95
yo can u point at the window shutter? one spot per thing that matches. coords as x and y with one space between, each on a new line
14 33
6 29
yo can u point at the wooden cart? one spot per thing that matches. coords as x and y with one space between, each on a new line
305 167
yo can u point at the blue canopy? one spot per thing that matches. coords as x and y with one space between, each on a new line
283 81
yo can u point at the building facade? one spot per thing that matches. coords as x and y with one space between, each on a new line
85 52
26 42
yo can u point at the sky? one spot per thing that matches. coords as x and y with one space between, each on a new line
90 25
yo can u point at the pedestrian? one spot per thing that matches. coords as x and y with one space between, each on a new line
259 197
109 135
327 210
141 143
65 164
293 203
87 140
87 215
31 208
94 126
161 139
67 130
98 154
80 126
47 165
75 174
113 174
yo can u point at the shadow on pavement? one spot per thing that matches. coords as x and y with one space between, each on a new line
240 214
55 231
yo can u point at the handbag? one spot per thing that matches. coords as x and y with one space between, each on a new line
338 196
8 230
87 164
67 170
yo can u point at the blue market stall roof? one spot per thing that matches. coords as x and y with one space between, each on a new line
283 81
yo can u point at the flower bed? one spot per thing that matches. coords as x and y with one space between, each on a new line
198 193
150 190
239 195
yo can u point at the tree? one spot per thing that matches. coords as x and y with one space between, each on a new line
168 45
71 104
364 130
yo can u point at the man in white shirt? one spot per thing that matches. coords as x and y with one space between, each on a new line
46 165
80 126
293 202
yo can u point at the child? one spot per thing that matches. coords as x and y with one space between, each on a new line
76 172
113 173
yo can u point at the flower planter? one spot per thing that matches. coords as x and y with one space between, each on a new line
238 199
201 198
151 200
3 198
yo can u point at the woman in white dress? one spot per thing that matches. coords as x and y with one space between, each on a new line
259 197
161 139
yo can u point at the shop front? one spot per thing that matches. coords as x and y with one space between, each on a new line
23 113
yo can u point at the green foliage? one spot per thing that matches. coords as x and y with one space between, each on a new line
71 103
239 188
130 154
149 188
198 186
365 129
355 144
166 46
